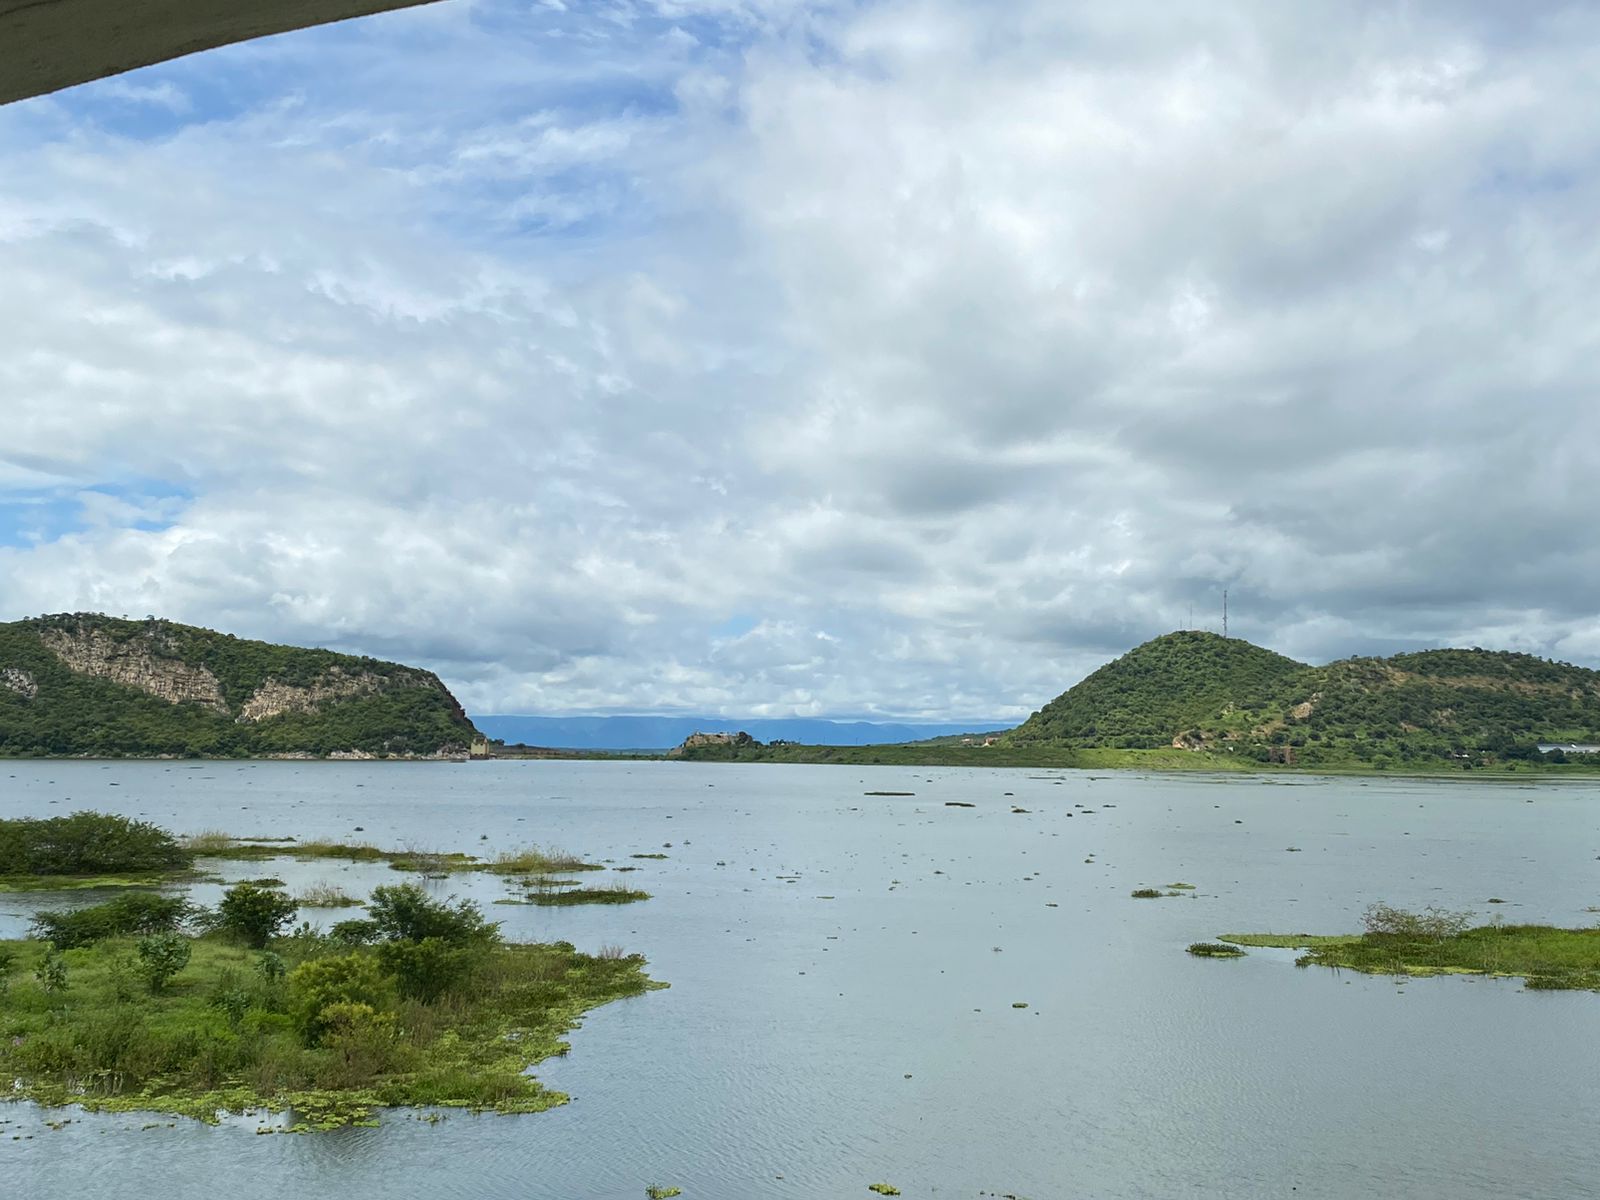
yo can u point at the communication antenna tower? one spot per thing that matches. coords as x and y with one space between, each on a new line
1224 612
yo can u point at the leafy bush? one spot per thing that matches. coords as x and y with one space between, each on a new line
360 1042
87 843
428 969
51 974
403 912
254 914
1429 925
357 932
129 915
162 956
317 985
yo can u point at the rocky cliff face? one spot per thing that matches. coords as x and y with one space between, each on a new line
15 679
87 683
135 664
274 698
696 741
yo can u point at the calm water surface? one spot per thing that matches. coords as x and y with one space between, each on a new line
843 971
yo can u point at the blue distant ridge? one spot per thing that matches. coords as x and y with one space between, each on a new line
662 733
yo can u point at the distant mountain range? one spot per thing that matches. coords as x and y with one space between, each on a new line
662 733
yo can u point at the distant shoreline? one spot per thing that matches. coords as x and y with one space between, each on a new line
914 755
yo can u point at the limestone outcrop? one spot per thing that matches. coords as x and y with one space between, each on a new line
15 679
274 697
697 740
135 663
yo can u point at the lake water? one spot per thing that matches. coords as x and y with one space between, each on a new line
844 966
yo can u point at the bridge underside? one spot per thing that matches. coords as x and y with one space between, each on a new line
47 45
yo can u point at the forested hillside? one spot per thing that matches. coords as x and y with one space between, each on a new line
86 684
1199 691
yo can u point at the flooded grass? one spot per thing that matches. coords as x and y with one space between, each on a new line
326 895
1438 943
585 895
1214 950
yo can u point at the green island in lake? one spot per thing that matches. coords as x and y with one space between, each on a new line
1438 942
147 1002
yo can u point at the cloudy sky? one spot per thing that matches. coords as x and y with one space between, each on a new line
755 357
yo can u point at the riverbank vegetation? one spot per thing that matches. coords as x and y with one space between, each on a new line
420 1003
87 849
532 860
1439 942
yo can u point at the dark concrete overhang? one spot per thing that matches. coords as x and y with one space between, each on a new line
47 45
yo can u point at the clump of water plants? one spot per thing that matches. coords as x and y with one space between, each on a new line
1146 893
657 1192
559 897
883 1189
1438 941
326 895
1215 950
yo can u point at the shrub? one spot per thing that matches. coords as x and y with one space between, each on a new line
130 915
87 843
361 1042
403 912
1429 925
425 970
161 956
254 914
335 979
356 932
326 895
51 973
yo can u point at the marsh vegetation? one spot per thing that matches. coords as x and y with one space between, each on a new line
1437 941
147 1001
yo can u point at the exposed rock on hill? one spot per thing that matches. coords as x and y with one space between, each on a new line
83 683
712 741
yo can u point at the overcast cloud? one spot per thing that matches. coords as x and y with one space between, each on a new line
891 359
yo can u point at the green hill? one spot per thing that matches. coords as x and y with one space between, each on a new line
1156 691
86 684
1199 691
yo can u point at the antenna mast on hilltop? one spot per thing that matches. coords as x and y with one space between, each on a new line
1224 612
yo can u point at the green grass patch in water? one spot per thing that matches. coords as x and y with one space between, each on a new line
585 895
1214 950
1441 943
